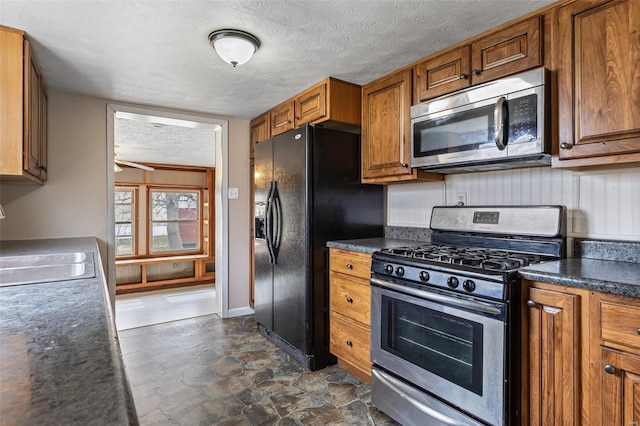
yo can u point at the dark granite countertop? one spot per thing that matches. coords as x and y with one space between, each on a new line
61 362
607 276
370 245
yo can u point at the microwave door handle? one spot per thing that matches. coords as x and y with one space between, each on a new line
501 123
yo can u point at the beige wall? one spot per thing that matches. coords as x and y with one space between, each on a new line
73 202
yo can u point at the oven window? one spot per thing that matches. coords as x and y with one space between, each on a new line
443 344
462 131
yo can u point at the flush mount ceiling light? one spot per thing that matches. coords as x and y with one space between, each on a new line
234 46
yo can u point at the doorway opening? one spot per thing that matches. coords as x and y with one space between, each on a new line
166 213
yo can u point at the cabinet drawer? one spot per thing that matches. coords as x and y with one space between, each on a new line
620 324
351 263
350 342
351 299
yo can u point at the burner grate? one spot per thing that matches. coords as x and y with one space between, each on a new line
475 257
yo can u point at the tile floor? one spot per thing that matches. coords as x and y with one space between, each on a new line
210 371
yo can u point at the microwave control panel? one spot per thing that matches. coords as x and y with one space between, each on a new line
523 123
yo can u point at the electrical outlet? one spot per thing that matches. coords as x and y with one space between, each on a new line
461 199
233 193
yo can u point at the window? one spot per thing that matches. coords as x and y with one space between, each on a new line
174 224
125 221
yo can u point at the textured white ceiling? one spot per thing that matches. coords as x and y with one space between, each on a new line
156 52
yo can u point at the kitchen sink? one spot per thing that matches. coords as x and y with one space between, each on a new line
40 268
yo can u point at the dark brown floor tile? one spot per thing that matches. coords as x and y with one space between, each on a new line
318 416
340 394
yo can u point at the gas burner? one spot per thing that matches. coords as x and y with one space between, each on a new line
472 257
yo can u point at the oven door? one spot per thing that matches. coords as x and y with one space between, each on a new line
452 346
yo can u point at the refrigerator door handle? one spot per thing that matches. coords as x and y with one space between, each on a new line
269 224
277 221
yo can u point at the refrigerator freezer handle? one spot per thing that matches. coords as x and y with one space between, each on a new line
277 220
269 224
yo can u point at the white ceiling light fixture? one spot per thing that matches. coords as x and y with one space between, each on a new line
234 46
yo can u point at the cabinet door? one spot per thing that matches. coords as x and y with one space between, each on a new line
260 128
620 375
44 104
443 74
508 51
281 118
385 127
598 81
32 136
553 358
311 105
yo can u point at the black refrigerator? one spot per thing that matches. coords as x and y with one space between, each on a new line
307 192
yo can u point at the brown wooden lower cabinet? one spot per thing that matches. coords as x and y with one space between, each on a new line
580 357
553 371
620 388
350 311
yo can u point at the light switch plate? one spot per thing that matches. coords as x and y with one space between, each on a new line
233 193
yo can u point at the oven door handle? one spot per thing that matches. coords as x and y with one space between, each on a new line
437 297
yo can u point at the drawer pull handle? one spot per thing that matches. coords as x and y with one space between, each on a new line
349 266
349 300
609 369
349 343
463 76
531 303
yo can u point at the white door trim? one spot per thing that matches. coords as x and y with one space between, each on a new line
221 199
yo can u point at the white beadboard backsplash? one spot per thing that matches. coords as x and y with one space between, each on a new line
601 204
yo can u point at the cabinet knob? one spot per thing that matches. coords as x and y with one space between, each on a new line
531 303
43 168
475 72
565 145
349 266
349 300
349 343
638 331
609 369
405 165
463 76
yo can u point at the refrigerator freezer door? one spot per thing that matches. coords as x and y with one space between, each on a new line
263 297
290 292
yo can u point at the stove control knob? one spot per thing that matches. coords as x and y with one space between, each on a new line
399 271
424 276
469 285
388 269
452 282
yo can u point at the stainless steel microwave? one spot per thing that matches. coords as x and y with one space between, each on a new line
497 125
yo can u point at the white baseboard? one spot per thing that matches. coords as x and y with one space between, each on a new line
238 312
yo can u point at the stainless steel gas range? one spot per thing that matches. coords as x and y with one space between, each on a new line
445 328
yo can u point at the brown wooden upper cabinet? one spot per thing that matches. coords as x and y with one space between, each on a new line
331 100
598 83
23 102
504 52
260 128
281 118
386 139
